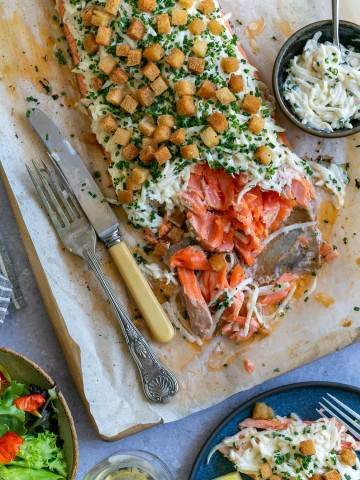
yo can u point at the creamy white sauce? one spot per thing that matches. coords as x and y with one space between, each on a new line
323 85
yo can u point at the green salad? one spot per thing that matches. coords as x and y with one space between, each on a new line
30 445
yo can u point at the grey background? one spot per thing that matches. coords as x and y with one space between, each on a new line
29 331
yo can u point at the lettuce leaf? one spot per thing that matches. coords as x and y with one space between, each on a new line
11 418
19 473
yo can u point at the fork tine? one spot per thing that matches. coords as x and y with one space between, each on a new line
330 412
347 418
344 406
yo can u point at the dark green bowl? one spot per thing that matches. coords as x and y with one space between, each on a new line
349 36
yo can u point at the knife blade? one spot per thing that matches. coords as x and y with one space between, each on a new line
104 221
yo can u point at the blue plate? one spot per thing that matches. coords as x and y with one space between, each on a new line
301 398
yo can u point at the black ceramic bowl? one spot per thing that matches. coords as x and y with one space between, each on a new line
349 36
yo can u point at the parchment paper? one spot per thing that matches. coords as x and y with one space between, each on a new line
90 337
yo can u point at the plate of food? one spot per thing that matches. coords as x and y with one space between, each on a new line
281 434
37 433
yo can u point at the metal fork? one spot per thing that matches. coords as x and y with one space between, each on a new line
341 412
79 237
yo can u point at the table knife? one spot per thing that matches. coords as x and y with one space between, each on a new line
104 221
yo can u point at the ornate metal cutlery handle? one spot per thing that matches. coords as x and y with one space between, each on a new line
159 384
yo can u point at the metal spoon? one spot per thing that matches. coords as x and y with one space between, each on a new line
335 18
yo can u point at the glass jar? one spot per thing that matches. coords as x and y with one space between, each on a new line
130 465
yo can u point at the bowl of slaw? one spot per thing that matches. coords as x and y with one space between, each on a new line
317 89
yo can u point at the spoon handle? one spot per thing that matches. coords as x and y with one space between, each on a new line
335 14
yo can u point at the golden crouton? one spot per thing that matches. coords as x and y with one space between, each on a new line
264 155
197 26
218 121
206 7
163 24
167 120
112 6
159 86
199 48
150 71
136 30
146 5
124 196
332 475
134 57
275 477
129 104
348 456
307 447
145 96
175 235
230 64
154 52
236 83
108 124
179 16
122 50
162 155
147 154
90 44
139 175
190 152
218 262
207 90
209 137
96 83
225 96
186 3
251 103
107 64
178 137
99 18
265 471
115 95
185 106
122 136
184 87
103 36
196 65
176 58
129 152
215 27
119 76
86 16
161 133
317 476
146 126
256 124
261 411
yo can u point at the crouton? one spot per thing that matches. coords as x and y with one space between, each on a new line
236 83
163 24
154 52
99 18
256 124
264 155
108 124
179 16
115 95
307 447
261 411
196 65
124 196
224 96
275 477
186 3
251 104
178 137
332 475
199 48
218 121
175 235
103 36
215 27
206 7
190 152
150 71
96 83
162 155
139 175
90 44
145 96
160 249
230 64
209 137
185 106
167 120
265 471
129 104
197 26
122 136
184 87
159 86
176 58
130 151
146 5
119 76
317 476
86 16
112 6
147 154
136 30
107 64
134 57
161 133
146 126
348 456
122 50
148 141
207 90
218 262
